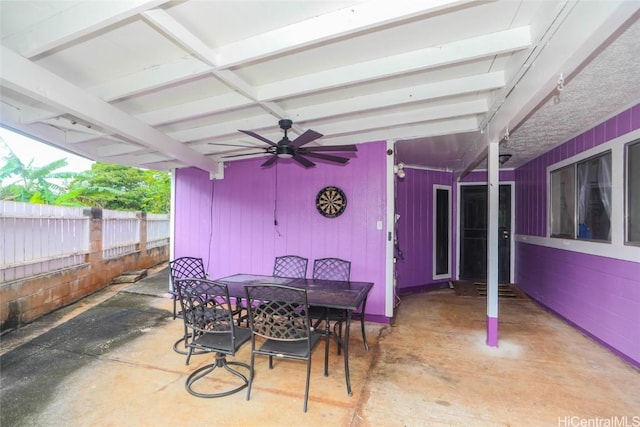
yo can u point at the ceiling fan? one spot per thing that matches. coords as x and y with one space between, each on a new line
285 148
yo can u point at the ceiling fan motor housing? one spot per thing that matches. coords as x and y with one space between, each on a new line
285 124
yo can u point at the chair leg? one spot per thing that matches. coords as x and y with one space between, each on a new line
364 335
306 390
221 362
250 375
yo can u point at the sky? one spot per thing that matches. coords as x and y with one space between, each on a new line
28 149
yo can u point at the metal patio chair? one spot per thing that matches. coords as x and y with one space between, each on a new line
280 316
210 320
291 266
182 268
335 269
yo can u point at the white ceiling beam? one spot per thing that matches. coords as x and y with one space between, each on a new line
44 133
414 94
444 127
347 21
177 32
165 74
19 74
181 35
406 118
417 60
574 36
198 108
105 148
226 128
79 20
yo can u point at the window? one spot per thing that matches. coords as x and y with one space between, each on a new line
581 200
441 231
633 193
562 202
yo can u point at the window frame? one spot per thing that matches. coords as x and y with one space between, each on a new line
617 248
574 166
627 189
434 207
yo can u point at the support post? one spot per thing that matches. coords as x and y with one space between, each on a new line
493 187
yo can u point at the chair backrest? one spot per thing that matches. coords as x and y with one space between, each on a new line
207 306
332 269
291 266
278 312
184 267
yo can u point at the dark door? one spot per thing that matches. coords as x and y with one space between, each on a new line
473 233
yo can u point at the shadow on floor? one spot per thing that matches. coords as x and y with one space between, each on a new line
107 361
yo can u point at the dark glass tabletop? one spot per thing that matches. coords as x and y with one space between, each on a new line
321 293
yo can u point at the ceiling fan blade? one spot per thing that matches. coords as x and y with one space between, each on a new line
269 162
332 148
233 145
304 162
328 157
242 155
260 137
306 137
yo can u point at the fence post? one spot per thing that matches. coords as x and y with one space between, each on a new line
143 235
94 257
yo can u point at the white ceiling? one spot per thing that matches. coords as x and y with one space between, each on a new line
167 84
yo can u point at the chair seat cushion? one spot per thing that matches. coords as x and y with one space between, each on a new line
222 341
289 348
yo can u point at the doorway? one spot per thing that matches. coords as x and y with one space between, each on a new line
473 233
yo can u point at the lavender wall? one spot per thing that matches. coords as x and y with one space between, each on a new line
531 179
414 204
599 295
230 222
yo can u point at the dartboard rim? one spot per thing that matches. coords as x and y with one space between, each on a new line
323 209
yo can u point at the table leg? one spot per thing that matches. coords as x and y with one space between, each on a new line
326 344
345 347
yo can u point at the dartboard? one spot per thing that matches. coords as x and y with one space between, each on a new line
331 202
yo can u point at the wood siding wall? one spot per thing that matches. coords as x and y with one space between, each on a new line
414 204
600 295
230 222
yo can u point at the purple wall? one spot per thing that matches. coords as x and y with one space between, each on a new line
414 204
531 179
599 295
230 222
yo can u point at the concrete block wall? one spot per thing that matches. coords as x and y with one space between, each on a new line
23 301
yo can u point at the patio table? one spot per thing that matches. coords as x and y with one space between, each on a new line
348 296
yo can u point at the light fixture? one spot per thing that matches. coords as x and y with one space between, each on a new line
504 158
399 170
285 152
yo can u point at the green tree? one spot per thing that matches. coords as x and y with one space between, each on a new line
28 183
133 189
104 185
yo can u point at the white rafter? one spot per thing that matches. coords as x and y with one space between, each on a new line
19 73
79 20
403 63
350 20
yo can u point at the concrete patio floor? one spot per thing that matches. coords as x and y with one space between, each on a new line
107 361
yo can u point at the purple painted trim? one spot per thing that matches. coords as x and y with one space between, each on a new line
423 288
492 331
631 361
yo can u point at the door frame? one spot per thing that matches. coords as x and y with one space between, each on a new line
458 224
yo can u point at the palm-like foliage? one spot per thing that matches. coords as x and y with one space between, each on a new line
28 183
105 185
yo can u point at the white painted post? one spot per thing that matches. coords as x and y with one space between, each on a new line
493 187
